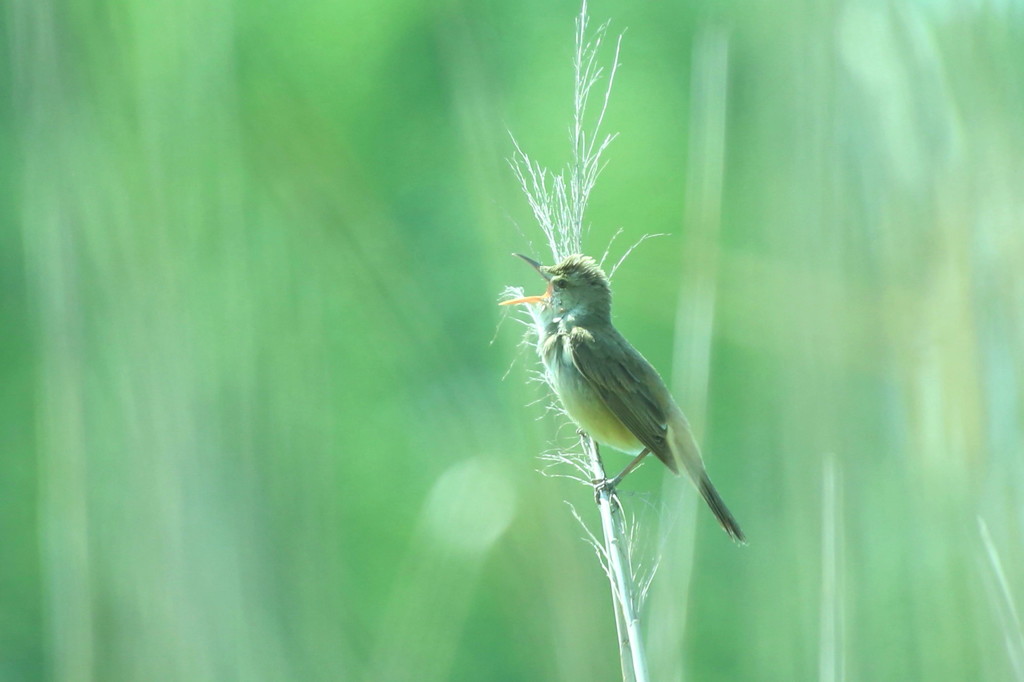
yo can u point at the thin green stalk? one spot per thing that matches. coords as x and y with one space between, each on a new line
617 566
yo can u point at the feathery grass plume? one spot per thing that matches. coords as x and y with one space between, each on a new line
558 202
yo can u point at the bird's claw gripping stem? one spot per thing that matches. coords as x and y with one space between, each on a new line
606 486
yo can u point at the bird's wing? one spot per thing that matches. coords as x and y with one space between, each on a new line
627 384
633 391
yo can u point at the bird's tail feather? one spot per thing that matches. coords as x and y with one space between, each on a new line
686 451
721 512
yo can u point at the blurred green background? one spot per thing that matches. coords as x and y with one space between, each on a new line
254 416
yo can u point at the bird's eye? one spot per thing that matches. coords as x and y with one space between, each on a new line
559 283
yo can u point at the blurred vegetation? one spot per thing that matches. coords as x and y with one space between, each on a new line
253 414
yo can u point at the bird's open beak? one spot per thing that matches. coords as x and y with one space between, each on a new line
526 299
536 266
531 299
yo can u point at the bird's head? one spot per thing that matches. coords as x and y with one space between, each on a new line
578 289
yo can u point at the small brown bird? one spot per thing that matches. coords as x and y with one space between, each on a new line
605 385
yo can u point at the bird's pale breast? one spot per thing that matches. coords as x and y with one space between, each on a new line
586 408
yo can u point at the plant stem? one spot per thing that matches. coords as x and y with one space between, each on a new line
616 551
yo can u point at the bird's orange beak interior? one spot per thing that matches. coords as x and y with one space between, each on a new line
524 299
529 299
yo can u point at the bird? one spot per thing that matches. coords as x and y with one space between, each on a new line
605 385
